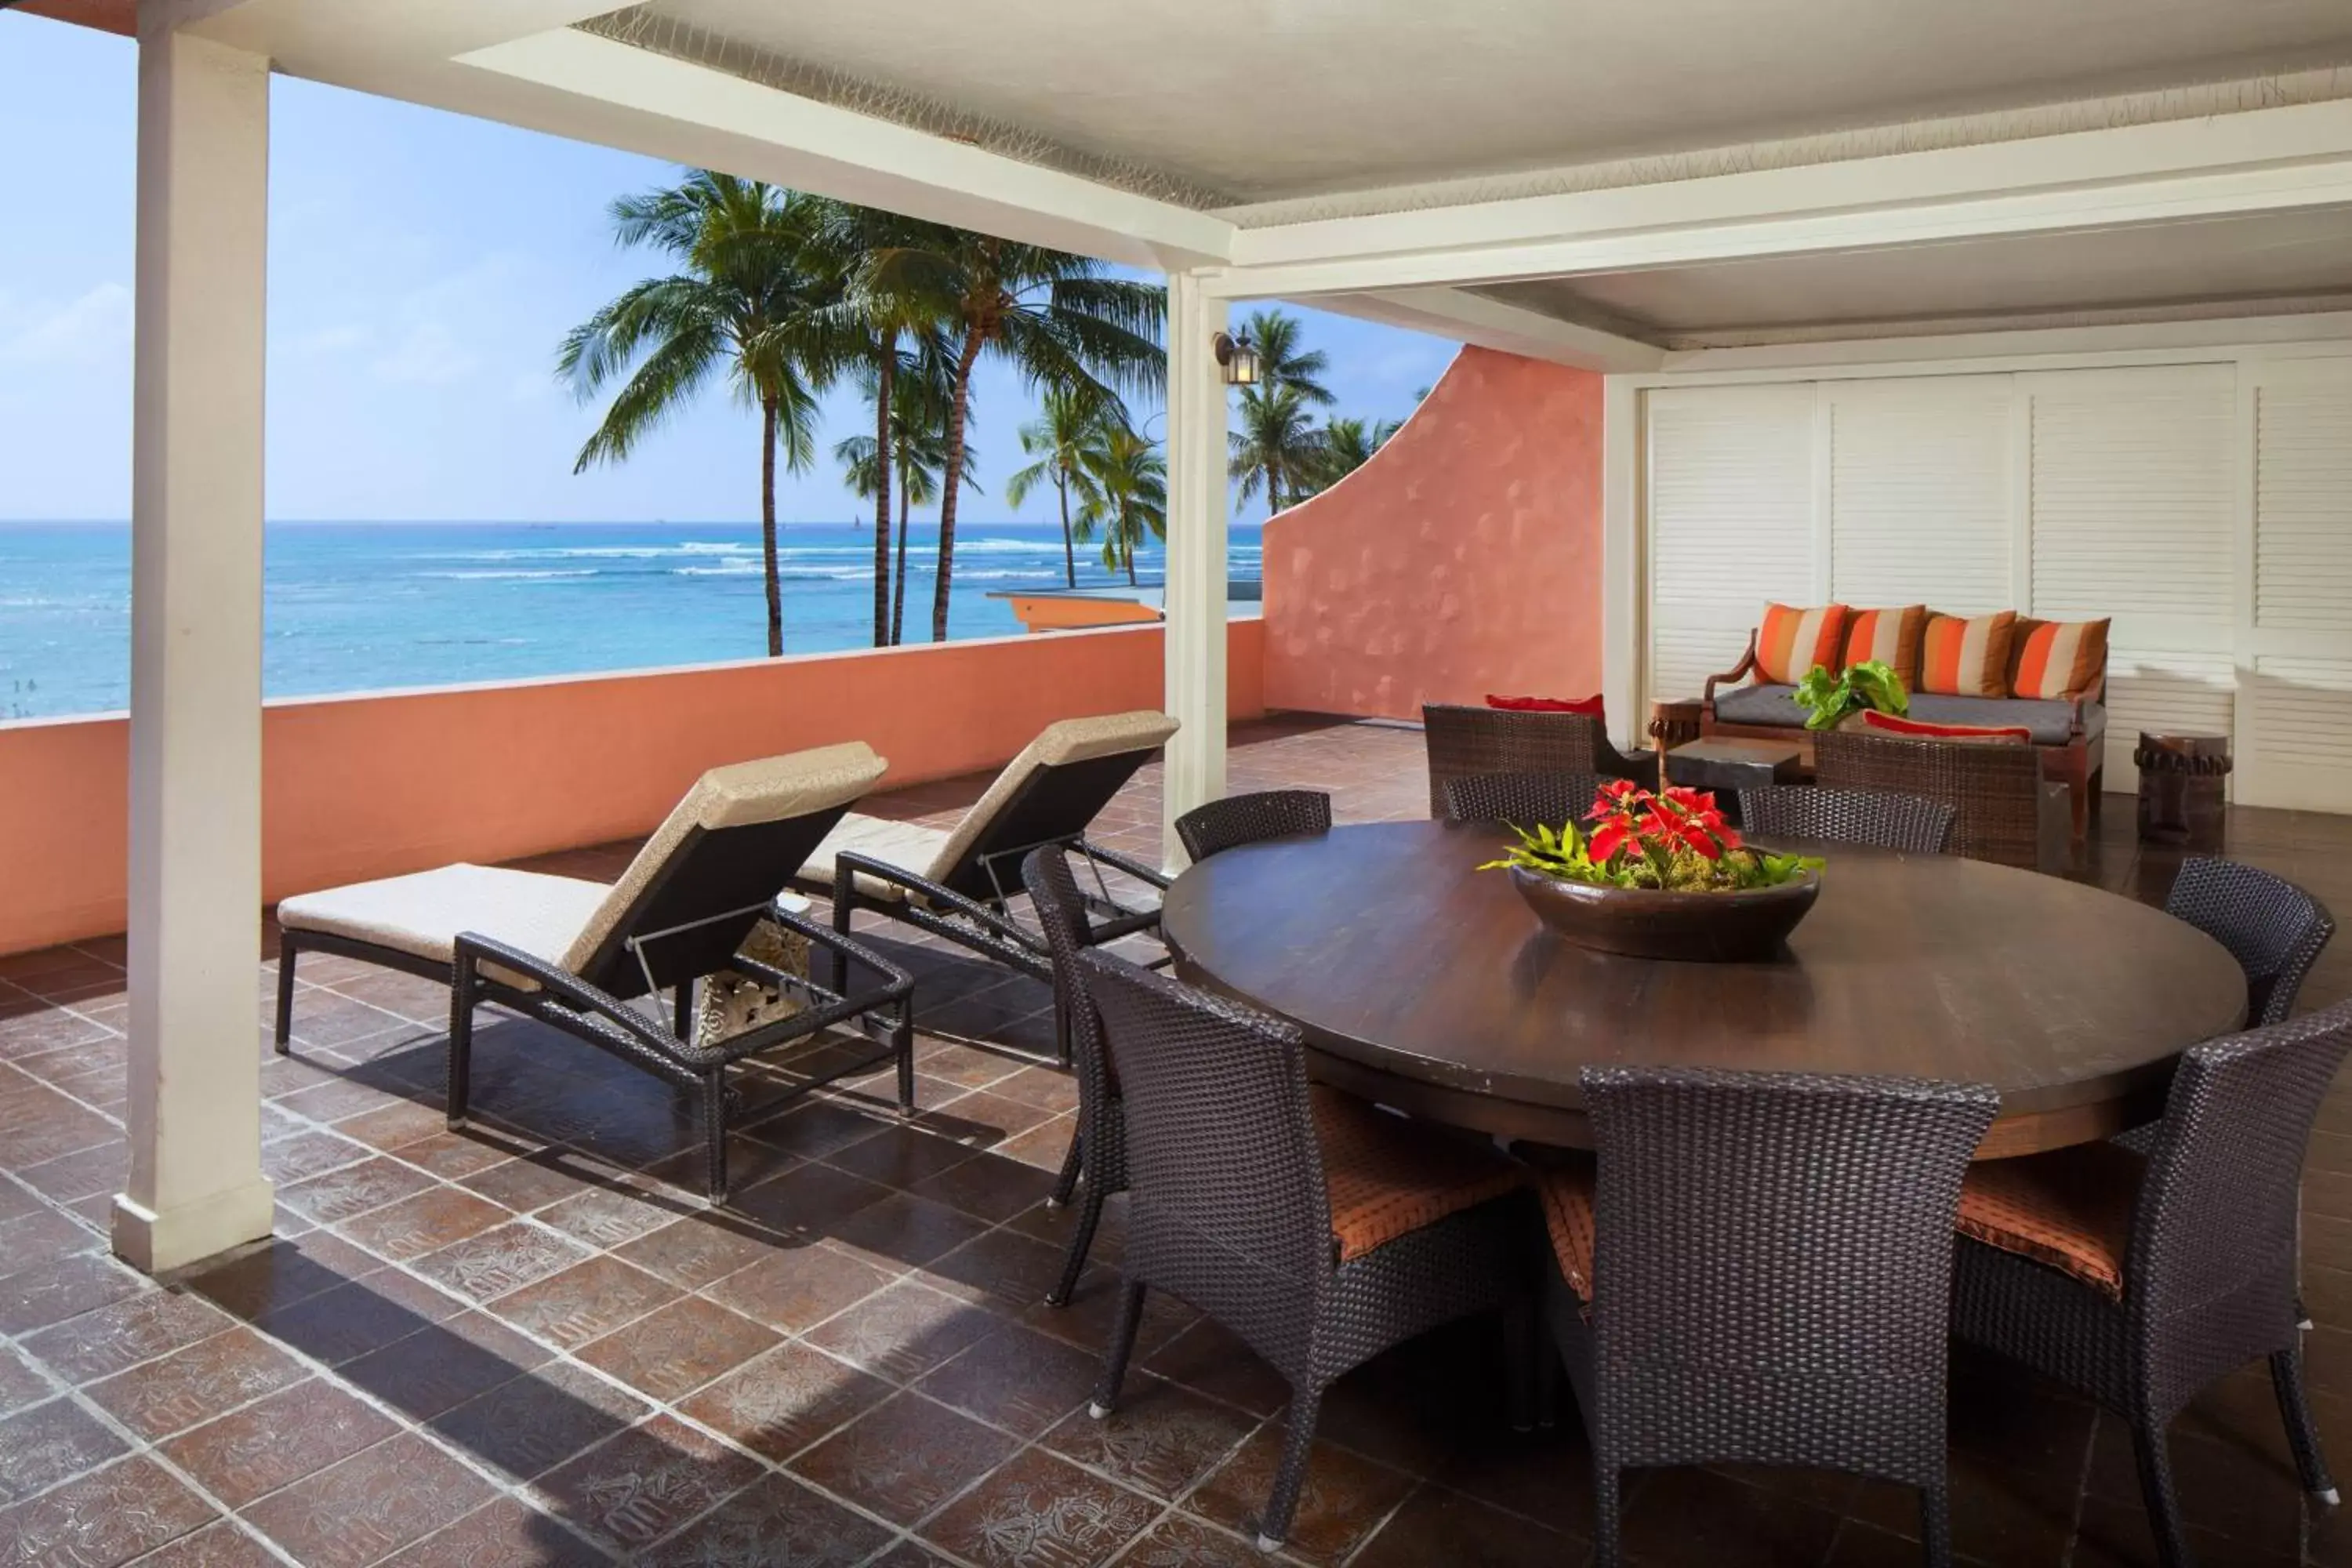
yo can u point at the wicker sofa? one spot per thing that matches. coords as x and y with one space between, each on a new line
2069 733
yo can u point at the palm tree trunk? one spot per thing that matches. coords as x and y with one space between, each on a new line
882 373
899 587
950 482
768 524
1273 490
1127 546
1069 550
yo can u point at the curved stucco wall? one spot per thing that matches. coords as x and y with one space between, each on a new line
1464 558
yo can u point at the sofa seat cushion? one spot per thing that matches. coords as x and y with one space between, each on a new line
2070 1209
2051 723
1767 702
1388 1176
422 914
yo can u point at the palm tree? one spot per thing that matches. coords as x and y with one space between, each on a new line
1126 494
919 439
1054 316
1277 449
749 299
1073 417
1348 445
1280 360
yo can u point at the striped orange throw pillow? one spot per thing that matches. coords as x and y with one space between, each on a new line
1966 657
1889 636
2057 658
1792 641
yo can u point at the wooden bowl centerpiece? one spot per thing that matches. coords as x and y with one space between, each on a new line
1660 876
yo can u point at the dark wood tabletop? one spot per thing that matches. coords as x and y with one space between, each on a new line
1430 987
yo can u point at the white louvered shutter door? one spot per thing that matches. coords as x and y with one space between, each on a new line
2299 738
1730 523
1920 493
2133 518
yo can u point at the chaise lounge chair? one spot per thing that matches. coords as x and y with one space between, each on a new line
959 883
576 954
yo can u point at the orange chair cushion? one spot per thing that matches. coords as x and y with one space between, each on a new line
1792 640
2057 658
1565 1192
1388 1177
1919 729
1966 657
2070 1208
1889 636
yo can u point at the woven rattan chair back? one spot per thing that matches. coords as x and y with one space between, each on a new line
1994 791
1464 742
1098 1152
1246 818
2214 1234
1772 1268
1523 799
2274 929
1882 819
1228 1204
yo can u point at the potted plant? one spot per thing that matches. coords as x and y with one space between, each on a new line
1660 876
1833 698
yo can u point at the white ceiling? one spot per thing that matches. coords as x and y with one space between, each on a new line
1263 100
2219 267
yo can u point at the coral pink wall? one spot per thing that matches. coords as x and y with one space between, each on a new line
364 787
1464 558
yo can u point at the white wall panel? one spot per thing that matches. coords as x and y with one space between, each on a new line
2302 503
1919 492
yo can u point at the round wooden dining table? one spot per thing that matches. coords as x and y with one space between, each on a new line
1428 985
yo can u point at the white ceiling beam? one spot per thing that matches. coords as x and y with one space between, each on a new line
1491 324
303 36
2264 160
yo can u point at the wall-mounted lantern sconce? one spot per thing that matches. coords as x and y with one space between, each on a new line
1238 357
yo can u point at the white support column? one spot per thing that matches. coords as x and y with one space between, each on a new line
196 1185
1195 651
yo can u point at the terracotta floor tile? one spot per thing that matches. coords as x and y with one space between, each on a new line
1003 1267
904 1231
808 1202
108 1516
21 1384
1016 1378
51 1291
905 1331
280 1273
349 1320
1345 1497
798 1287
904 1458
1211 1359
1440 1526
1696 1517
899 1156
502 1534
989 1187
44 1445
584 1301
138 1328
778 1521
454 1156
699 1250
1179 1541
369 1505
607 1216
228 1544
444 1365
1039 1509
645 1483
1161 1439
502 1258
178 1391
670 1352
780 1402
423 1222
277 1441
531 1423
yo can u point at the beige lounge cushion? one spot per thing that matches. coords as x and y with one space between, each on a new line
421 914
740 794
932 854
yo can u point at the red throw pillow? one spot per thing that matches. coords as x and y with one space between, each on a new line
1589 706
1919 729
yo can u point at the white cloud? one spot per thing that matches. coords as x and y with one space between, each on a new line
427 353
90 329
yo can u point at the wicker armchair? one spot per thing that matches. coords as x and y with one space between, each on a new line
2150 1279
1464 740
1524 799
1906 822
2274 929
1769 1265
1319 1228
1097 1155
2003 810
1246 818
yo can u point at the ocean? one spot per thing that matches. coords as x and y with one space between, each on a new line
351 606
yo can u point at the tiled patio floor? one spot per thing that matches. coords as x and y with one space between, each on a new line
524 1344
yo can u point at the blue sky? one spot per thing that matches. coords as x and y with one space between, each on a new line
423 269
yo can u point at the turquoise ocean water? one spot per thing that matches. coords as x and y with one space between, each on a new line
351 606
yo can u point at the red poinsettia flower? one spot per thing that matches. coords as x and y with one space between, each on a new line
1607 840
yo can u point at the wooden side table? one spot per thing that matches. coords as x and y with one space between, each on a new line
2180 790
1674 723
1727 766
